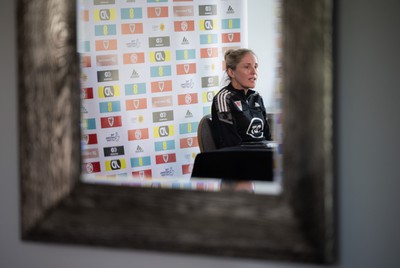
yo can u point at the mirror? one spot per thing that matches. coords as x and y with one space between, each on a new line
56 207
141 109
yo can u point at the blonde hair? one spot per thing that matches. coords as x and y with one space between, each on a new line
234 56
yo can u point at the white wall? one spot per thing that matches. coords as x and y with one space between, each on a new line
368 132
262 39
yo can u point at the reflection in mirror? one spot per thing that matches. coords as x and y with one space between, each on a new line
149 71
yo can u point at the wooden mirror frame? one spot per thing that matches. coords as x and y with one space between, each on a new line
298 225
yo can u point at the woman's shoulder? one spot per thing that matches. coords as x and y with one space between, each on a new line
223 98
225 91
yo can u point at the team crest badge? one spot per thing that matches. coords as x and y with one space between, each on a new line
239 105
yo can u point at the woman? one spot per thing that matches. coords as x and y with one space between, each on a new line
238 112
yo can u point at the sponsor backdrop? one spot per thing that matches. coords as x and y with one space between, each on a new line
149 71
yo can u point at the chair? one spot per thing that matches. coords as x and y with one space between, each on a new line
205 134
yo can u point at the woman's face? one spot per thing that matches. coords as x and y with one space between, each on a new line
245 75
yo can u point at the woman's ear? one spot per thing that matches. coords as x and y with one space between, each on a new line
230 73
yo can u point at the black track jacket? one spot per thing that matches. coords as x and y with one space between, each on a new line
238 118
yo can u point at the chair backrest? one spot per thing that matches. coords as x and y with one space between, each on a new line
205 135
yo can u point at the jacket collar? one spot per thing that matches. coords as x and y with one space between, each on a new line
240 92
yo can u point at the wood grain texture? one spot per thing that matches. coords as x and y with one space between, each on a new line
308 116
48 105
177 220
55 207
